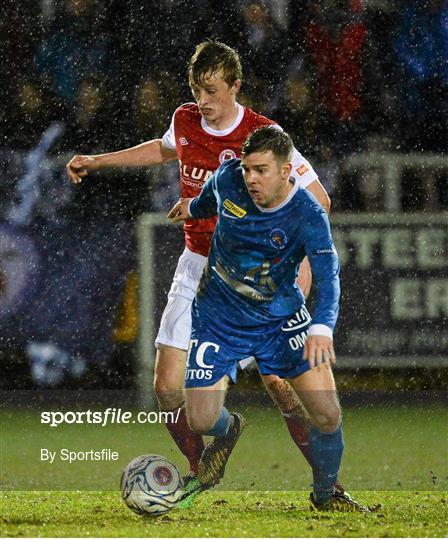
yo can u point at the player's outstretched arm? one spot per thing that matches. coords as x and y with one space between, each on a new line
143 155
179 212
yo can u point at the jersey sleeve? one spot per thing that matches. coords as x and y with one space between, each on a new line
325 269
168 139
205 204
302 171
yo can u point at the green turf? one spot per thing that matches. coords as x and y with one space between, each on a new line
222 514
394 456
401 448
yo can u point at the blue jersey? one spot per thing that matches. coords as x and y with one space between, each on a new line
250 278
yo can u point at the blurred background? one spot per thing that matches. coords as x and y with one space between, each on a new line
361 86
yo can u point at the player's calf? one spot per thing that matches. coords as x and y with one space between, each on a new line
189 443
295 415
296 418
168 386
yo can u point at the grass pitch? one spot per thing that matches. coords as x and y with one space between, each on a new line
222 514
396 456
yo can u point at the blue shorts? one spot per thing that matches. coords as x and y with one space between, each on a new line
215 351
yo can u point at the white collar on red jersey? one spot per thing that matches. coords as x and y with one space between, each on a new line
224 132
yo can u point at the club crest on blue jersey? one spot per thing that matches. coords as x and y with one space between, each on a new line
278 238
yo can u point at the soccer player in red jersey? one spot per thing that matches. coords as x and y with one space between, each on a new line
201 136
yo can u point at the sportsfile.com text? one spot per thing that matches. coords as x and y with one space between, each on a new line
111 415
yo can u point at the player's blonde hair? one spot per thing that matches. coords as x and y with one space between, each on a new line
211 57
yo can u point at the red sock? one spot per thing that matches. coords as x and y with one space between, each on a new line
300 433
190 444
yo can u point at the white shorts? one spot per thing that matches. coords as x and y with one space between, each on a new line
175 326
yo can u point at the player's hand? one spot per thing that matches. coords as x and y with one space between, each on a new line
179 212
319 351
80 166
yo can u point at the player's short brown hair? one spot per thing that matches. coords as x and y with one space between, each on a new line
269 138
212 56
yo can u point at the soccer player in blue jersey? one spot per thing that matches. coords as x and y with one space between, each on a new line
248 304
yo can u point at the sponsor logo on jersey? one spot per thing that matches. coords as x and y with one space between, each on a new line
298 341
225 155
302 169
300 319
278 238
196 185
199 176
203 371
299 325
234 209
324 251
183 141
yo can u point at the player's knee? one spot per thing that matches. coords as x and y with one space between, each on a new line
202 413
168 393
334 419
200 423
169 377
328 420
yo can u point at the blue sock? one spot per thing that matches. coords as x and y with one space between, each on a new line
326 452
221 425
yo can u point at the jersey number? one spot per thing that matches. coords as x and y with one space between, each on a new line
264 279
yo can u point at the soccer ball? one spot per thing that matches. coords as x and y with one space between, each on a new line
151 485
